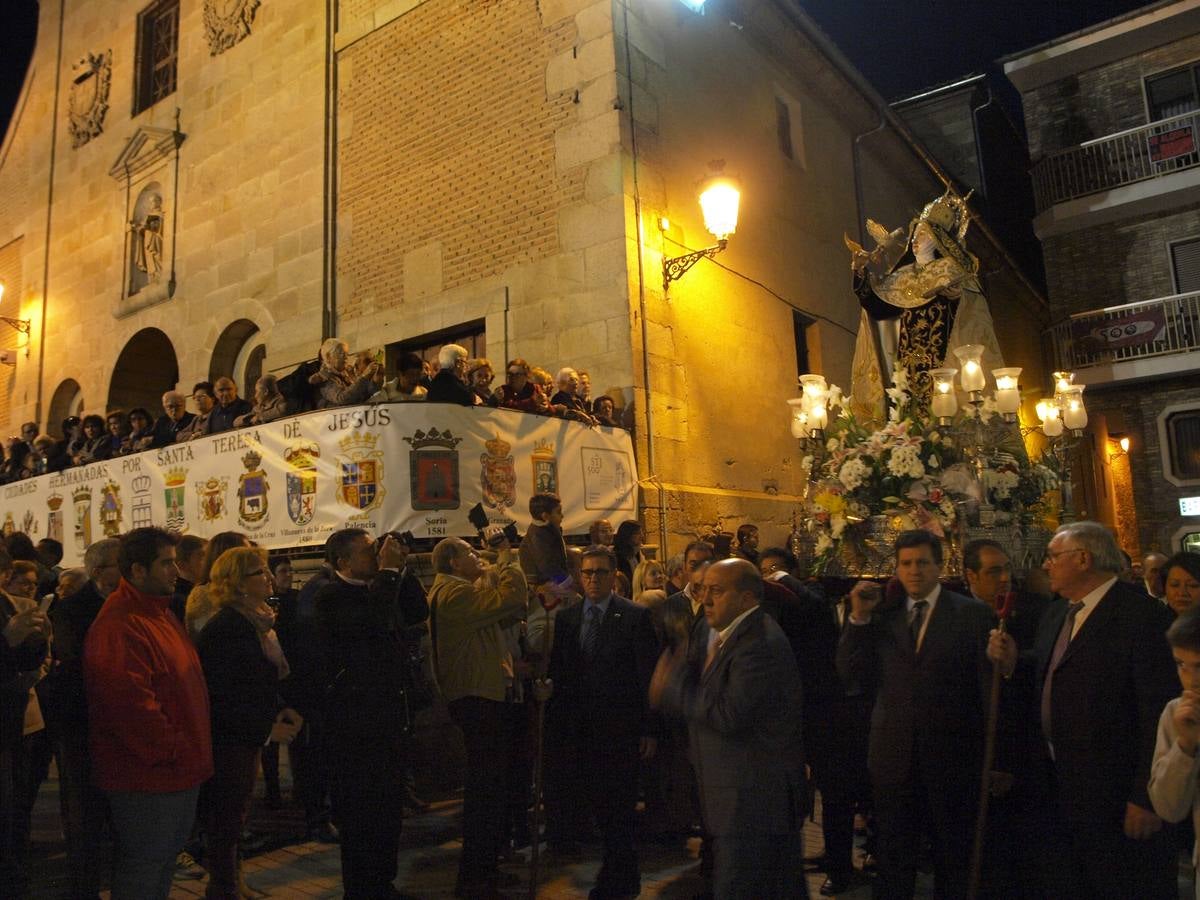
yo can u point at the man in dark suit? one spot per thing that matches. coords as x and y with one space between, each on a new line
598 723
737 687
174 419
449 384
371 598
927 659
1103 673
84 806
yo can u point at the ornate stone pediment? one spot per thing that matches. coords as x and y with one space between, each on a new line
147 147
91 78
226 22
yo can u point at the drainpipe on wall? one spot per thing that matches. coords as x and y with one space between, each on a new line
37 408
329 186
651 465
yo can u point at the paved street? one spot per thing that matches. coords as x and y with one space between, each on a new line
428 859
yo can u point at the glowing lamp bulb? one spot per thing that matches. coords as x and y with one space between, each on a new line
719 202
971 355
1074 413
1008 394
943 403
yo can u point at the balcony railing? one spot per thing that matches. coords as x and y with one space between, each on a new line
1134 331
1127 157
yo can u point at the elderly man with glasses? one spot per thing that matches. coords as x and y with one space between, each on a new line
1103 672
175 418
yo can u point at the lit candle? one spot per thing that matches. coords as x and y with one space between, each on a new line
1048 412
1062 381
799 418
816 395
1074 413
972 377
944 403
1008 395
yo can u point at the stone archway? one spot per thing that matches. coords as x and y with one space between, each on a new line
232 353
67 401
146 369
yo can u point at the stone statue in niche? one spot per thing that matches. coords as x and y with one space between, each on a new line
226 22
146 239
91 78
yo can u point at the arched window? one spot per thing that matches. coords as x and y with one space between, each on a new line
146 369
238 354
67 401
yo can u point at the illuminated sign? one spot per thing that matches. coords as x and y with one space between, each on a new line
1189 506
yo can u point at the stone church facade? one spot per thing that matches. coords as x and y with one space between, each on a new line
192 188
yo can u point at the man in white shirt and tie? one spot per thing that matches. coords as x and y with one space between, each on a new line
1104 672
926 660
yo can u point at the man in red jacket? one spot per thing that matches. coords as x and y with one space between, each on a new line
148 714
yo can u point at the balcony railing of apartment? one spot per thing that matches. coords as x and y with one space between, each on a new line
1138 154
1133 331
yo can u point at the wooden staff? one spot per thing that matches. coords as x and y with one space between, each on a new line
989 758
549 602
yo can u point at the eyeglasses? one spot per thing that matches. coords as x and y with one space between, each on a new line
1051 555
594 573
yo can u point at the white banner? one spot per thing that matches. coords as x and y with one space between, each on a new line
415 467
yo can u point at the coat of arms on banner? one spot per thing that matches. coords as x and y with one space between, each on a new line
54 529
9 526
252 492
82 499
497 474
433 470
175 495
29 524
545 468
212 497
110 509
361 482
302 481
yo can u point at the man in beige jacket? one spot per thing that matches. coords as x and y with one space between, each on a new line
470 606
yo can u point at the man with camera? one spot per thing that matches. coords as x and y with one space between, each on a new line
471 605
361 611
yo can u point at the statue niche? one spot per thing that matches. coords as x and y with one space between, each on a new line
146 229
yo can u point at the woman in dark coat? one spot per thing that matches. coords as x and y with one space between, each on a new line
243 664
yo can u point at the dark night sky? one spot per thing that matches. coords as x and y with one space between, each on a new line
901 46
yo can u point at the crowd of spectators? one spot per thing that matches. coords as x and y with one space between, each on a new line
337 378
163 673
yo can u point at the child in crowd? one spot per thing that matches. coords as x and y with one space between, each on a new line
1176 764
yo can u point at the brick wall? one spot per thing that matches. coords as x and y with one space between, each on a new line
448 138
1099 101
1119 262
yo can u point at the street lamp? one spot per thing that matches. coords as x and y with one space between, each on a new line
719 200
21 325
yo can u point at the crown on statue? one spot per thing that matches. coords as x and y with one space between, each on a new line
948 212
